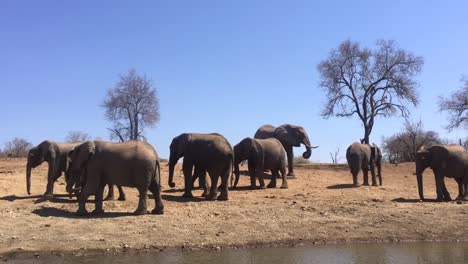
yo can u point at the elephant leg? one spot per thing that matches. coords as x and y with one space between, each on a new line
465 187
214 186
110 193
374 180
460 189
141 210
196 175
290 155
284 184
224 185
447 197
274 174
252 176
259 174
187 168
204 183
98 200
82 202
156 191
365 171
379 171
355 178
121 193
52 176
442 193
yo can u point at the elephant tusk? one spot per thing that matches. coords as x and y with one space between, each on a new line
314 147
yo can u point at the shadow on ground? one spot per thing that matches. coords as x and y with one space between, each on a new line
40 198
180 199
342 186
405 200
56 212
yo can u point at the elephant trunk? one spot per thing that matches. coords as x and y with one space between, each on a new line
309 147
171 174
237 174
420 186
28 178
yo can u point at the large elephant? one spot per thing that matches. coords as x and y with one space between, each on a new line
362 156
262 154
206 152
55 154
290 136
445 161
132 164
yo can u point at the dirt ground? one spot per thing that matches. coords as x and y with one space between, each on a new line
319 207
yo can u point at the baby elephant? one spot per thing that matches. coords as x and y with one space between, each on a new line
131 164
262 154
363 156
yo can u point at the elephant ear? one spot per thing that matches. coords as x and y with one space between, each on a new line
47 151
256 154
378 153
83 153
183 143
289 135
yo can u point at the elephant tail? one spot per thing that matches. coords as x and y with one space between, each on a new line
157 173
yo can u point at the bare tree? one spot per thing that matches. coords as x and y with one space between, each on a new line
402 147
369 83
131 105
457 107
334 156
18 147
77 136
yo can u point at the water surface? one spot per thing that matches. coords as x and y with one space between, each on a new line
404 253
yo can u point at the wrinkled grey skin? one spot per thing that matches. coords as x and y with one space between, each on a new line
206 152
262 154
131 164
74 186
55 154
364 156
445 161
290 136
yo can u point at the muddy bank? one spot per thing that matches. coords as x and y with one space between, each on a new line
320 206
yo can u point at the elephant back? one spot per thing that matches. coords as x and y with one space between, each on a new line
265 131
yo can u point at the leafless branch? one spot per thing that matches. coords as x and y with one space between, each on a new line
369 83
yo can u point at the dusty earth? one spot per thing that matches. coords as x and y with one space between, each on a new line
319 207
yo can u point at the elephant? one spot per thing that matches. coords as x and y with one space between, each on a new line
206 152
445 161
262 154
363 156
55 154
132 164
290 136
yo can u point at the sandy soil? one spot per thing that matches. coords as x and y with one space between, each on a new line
319 206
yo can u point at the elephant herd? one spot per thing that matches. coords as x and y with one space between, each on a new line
90 166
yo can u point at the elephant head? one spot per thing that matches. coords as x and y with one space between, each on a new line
249 149
36 156
177 150
294 136
78 159
423 160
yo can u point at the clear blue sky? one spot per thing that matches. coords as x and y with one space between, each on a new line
219 66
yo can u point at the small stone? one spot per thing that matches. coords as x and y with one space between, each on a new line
47 225
36 255
459 202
